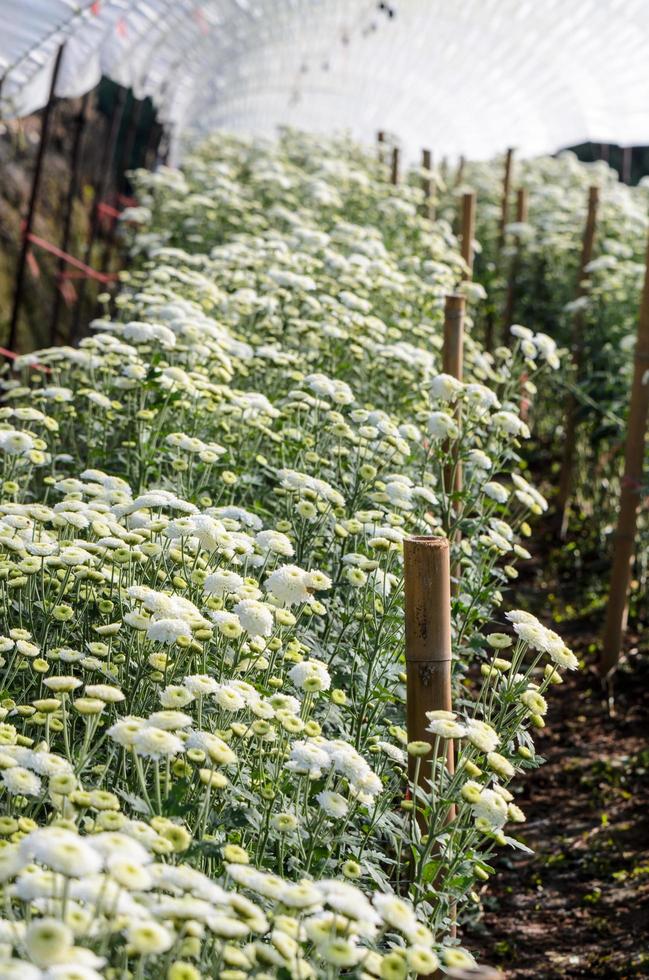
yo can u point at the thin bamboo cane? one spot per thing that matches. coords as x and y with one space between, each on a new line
394 172
427 588
570 425
427 184
521 218
468 229
624 540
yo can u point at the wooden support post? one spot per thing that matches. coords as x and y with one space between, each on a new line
394 171
453 348
459 176
33 199
452 363
627 157
68 210
99 191
504 206
427 587
380 140
624 540
427 184
521 218
570 425
468 229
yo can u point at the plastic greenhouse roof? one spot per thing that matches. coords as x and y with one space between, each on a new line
460 76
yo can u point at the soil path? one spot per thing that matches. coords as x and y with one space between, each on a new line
580 906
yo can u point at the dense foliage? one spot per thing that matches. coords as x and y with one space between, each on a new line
204 766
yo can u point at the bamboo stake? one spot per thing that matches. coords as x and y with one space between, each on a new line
33 199
570 425
504 206
380 139
627 156
394 173
427 587
452 363
427 184
624 540
521 218
504 211
468 229
459 176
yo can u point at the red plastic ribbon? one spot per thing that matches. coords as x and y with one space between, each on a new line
108 210
12 357
89 273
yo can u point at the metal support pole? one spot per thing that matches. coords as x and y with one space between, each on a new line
73 190
33 199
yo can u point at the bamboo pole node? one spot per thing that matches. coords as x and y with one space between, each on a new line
617 609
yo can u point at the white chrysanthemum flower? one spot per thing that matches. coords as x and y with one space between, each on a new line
255 617
275 542
445 387
168 630
19 781
156 743
482 735
61 850
496 492
442 426
289 584
491 807
221 582
311 675
334 804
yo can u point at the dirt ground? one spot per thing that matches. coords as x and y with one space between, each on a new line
580 906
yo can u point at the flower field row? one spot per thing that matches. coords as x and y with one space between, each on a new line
204 761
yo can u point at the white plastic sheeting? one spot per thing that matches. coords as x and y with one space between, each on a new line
460 76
